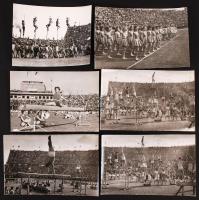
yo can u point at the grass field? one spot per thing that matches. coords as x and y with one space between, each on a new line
58 123
172 54
145 125
116 187
30 62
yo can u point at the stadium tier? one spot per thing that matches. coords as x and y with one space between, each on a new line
65 163
150 153
91 101
141 17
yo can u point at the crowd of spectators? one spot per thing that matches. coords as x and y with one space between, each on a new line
89 102
141 17
65 163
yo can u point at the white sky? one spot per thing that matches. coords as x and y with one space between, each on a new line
40 142
144 76
79 15
83 82
149 140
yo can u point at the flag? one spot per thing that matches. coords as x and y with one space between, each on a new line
57 23
35 23
123 156
67 22
153 77
142 141
134 91
49 23
23 26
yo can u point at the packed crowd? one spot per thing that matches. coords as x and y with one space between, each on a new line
166 102
141 17
76 43
136 32
89 102
152 166
66 162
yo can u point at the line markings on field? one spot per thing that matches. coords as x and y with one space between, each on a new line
131 66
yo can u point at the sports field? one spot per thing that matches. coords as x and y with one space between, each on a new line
30 62
172 54
116 187
145 124
57 123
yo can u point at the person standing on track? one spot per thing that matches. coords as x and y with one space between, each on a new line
137 42
118 40
131 39
109 39
124 35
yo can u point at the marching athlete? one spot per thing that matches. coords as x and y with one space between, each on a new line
144 41
131 39
109 41
124 35
137 42
118 40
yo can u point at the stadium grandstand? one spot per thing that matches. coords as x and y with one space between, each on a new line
142 17
65 163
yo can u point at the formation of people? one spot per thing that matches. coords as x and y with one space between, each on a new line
118 103
76 43
131 40
153 170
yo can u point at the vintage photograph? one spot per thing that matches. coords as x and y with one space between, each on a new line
147 100
148 165
51 165
140 38
51 36
46 101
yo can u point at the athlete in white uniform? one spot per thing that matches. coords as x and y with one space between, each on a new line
124 35
137 42
131 39
118 40
109 41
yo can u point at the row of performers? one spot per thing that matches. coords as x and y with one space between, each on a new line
140 40
155 171
117 105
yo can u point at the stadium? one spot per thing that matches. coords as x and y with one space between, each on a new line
32 107
141 38
60 42
76 170
148 170
148 106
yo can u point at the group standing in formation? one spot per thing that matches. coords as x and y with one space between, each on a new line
134 41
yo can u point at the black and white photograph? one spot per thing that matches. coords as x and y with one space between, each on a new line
51 36
148 165
147 100
141 38
51 165
54 101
